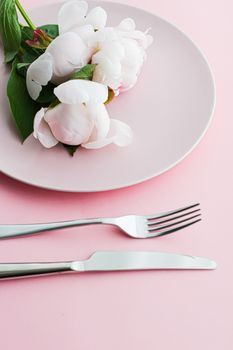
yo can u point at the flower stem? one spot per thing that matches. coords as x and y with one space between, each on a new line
24 14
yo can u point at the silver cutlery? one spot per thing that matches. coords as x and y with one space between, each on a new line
110 261
133 225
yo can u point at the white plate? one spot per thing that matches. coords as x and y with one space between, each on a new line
169 111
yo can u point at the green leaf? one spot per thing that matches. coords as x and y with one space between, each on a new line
27 33
71 149
29 54
9 29
86 73
23 108
22 69
51 29
47 95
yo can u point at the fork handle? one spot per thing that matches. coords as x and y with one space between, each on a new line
16 270
7 231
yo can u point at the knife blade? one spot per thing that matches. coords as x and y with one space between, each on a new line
110 261
120 261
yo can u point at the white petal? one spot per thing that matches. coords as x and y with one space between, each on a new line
70 124
34 89
127 29
81 91
42 130
131 64
85 32
108 70
106 34
114 50
149 40
120 134
97 17
100 116
39 74
37 120
71 15
134 55
69 53
97 144
108 74
143 40
127 24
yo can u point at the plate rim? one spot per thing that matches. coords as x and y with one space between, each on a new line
174 164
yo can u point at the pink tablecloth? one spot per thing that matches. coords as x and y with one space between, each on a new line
166 310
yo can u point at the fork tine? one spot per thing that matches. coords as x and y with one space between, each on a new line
157 222
163 233
169 213
159 228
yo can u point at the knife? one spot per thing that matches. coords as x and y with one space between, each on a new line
110 261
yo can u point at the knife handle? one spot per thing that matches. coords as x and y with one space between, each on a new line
16 270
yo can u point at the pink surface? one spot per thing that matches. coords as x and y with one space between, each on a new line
178 310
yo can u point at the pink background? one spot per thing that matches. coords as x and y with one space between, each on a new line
178 310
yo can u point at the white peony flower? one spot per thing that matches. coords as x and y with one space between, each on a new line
80 119
65 55
120 54
69 51
74 17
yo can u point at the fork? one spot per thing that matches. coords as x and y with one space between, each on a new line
134 226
